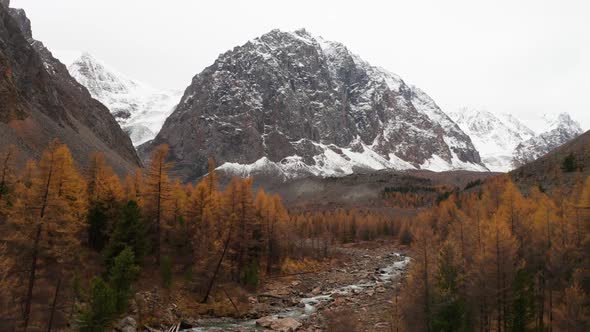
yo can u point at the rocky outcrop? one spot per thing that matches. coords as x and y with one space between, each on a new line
298 104
40 101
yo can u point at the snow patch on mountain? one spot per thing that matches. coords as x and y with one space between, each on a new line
334 161
138 108
331 162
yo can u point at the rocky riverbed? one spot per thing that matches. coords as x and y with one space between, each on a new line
356 290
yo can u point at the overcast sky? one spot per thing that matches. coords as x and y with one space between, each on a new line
527 57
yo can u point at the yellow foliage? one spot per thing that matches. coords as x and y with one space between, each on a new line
291 265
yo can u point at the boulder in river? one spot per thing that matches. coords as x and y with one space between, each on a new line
127 324
279 324
265 321
285 325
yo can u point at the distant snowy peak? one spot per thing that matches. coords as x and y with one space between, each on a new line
140 109
504 142
494 136
560 128
504 129
306 104
99 80
561 121
517 126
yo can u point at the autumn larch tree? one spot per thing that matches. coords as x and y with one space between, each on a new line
417 302
7 176
158 195
105 195
53 211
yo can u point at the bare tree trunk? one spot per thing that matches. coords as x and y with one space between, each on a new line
498 281
54 305
426 290
232 302
33 272
462 242
550 308
541 313
212 281
578 236
478 232
32 278
269 254
4 171
158 215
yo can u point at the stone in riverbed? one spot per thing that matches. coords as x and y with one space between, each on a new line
339 301
265 321
127 324
279 324
285 325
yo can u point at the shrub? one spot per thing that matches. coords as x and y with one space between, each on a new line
569 163
166 272
251 277
405 236
473 183
121 276
97 227
98 313
130 231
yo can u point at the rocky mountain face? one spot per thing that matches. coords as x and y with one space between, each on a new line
292 104
560 130
140 109
40 101
504 142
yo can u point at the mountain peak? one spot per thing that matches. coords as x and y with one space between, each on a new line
98 79
565 120
87 57
309 105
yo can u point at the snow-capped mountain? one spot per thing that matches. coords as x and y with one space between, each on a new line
560 128
494 135
505 142
140 109
295 104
